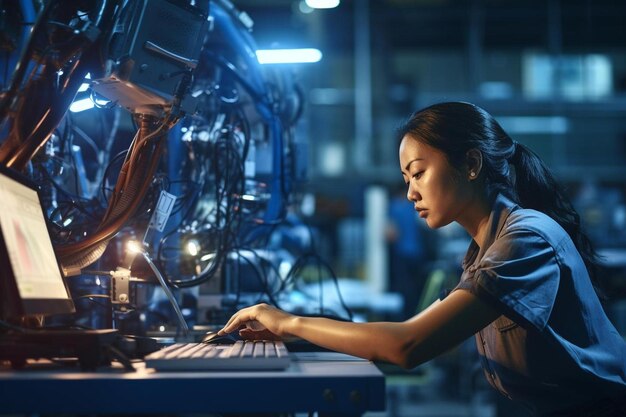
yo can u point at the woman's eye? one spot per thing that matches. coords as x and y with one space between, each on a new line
418 175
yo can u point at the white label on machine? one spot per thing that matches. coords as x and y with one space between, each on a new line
162 212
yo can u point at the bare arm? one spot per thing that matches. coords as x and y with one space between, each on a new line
437 329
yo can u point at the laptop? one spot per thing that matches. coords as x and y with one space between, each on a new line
32 284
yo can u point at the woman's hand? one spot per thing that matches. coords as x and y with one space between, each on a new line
259 322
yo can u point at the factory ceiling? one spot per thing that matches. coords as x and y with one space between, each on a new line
407 24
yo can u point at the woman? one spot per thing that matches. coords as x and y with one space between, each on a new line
526 291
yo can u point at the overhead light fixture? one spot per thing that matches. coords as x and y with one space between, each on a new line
322 4
288 56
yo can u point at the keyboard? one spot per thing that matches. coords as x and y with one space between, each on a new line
242 355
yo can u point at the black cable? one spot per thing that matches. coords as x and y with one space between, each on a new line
22 64
93 296
120 357
68 206
113 161
262 277
83 135
94 272
71 197
232 69
8 326
74 165
303 261
224 213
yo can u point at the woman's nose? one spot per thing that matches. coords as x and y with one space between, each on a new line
412 194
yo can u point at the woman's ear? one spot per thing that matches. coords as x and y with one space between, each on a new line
474 163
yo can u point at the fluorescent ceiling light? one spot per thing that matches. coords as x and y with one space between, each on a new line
288 56
81 105
322 4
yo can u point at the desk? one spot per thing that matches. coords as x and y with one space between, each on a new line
324 382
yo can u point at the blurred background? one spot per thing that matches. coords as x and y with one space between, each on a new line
319 223
552 72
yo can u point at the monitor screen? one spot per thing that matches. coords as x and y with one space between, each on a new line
31 278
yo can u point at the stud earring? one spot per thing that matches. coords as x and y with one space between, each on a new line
472 174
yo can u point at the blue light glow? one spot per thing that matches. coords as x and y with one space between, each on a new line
81 105
322 4
288 56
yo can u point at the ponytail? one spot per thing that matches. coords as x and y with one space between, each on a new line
537 189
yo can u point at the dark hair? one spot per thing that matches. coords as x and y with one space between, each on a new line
456 127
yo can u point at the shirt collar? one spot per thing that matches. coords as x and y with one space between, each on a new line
501 208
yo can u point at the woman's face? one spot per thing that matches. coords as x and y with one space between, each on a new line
439 192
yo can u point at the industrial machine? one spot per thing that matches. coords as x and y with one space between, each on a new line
178 170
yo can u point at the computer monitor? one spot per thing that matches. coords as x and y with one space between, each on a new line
31 280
